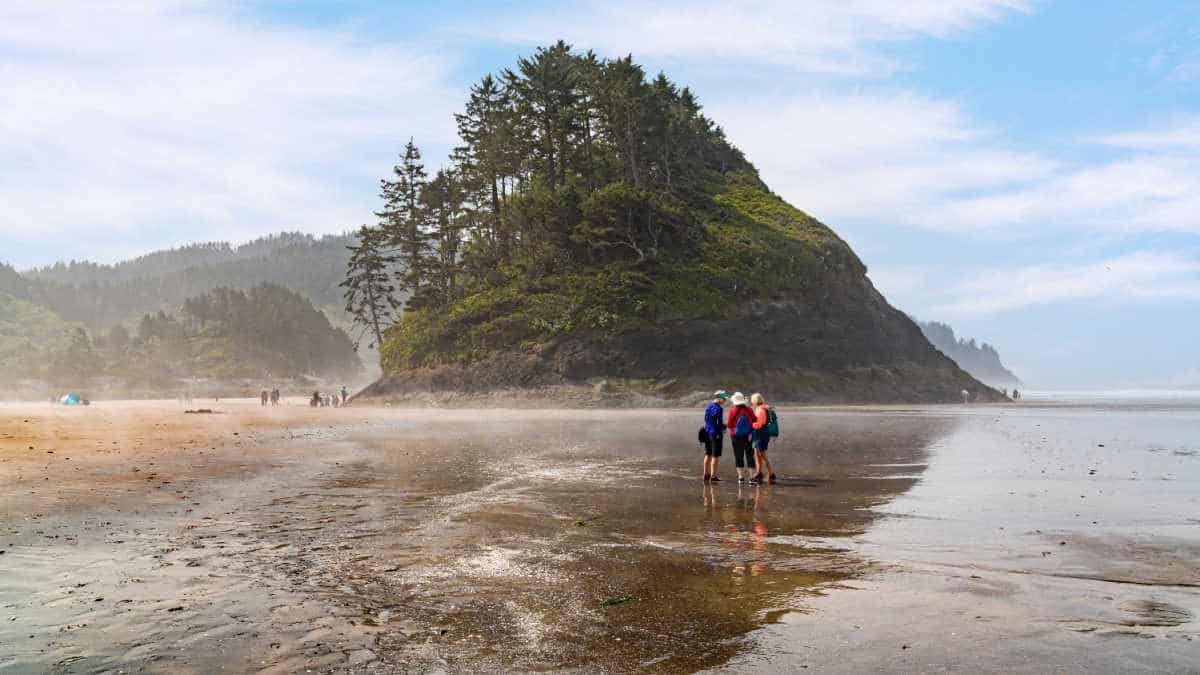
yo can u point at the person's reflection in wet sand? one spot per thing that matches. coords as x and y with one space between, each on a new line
747 535
759 542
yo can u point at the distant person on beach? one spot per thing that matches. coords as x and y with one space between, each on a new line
262 397
966 396
714 434
741 428
345 394
762 438
315 400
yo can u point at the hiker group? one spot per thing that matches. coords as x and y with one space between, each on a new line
751 428
271 397
326 400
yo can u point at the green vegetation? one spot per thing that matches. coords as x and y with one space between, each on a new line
101 296
29 336
585 199
267 332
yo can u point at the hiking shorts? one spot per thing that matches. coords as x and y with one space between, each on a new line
713 445
743 455
762 438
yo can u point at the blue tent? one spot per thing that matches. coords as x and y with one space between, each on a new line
71 399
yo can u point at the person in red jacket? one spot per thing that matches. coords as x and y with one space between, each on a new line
762 438
741 430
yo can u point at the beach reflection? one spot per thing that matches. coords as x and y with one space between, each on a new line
500 540
606 553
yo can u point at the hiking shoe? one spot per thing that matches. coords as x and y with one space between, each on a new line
706 478
754 481
771 479
741 480
715 479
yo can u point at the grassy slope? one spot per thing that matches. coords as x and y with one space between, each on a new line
757 246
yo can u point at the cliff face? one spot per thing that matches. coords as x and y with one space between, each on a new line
981 361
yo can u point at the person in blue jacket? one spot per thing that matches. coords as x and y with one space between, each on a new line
714 432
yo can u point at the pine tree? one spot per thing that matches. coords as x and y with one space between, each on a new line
370 292
566 160
589 69
402 220
625 99
442 202
482 126
546 93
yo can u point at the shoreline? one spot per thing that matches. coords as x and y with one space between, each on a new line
342 539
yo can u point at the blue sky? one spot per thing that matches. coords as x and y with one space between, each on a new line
1028 171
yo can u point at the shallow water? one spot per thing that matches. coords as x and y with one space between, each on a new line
901 538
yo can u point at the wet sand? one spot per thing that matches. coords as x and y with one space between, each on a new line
1024 538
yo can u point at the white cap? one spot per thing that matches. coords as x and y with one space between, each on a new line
739 398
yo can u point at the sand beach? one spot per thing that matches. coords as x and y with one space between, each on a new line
135 536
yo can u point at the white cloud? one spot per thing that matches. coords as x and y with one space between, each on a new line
904 159
1155 187
1182 134
1141 194
844 37
168 120
1135 277
898 280
889 158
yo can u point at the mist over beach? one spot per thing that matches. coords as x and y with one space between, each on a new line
1008 538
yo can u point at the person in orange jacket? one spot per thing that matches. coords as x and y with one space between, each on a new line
762 438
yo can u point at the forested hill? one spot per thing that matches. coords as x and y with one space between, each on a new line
101 296
164 262
980 360
594 231
266 334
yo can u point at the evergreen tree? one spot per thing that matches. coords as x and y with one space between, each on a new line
442 202
546 92
370 292
483 128
402 220
567 163
624 115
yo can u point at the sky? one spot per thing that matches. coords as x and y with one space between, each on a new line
1025 170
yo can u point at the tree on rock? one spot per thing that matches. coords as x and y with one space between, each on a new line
402 219
370 290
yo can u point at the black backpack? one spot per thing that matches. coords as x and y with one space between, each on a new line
702 437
